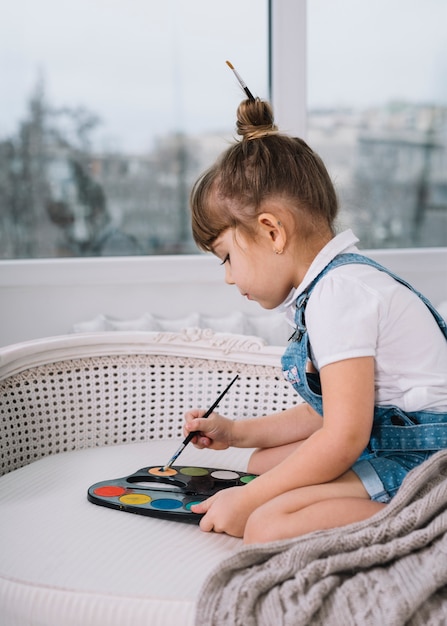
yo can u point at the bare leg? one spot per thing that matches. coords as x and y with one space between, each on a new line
316 507
264 459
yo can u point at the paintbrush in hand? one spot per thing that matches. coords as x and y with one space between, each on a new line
193 434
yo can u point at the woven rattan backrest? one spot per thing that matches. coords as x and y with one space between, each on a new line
104 400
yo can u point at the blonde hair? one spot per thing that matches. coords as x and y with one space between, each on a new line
265 164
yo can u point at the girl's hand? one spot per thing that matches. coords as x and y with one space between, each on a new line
227 511
214 432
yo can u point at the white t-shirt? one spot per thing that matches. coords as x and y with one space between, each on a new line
356 310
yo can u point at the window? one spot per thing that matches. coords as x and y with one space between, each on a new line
110 110
377 114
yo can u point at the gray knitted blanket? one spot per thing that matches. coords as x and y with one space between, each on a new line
390 569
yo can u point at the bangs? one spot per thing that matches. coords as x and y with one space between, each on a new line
211 214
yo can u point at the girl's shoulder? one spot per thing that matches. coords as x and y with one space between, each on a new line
356 280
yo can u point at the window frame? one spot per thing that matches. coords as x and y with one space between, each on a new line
42 297
288 64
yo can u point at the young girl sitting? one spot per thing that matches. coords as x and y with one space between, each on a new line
368 354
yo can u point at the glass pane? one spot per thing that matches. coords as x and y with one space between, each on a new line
378 115
110 109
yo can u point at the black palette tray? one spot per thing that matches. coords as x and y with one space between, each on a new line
165 494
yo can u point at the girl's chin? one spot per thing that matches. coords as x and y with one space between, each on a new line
264 305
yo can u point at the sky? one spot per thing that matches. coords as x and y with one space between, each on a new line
147 67
362 52
143 65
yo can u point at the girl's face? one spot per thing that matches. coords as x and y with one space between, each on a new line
255 269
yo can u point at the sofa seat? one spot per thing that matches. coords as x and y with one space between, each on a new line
66 561
77 410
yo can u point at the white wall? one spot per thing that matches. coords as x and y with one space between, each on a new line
40 298
46 297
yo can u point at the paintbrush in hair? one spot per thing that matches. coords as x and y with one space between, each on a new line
193 434
241 82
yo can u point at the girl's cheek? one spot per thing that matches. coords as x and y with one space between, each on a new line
228 275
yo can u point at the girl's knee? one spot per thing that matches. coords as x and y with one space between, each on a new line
258 528
264 459
256 463
264 524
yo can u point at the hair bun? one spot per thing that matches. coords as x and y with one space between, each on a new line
255 119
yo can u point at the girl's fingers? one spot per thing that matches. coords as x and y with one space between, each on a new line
202 507
205 524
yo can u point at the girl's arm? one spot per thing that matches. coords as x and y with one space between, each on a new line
348 407
269 431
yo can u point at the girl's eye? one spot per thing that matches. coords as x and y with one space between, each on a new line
227 258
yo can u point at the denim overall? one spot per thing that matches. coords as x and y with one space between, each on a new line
399 440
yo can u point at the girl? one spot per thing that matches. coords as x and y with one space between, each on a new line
368 353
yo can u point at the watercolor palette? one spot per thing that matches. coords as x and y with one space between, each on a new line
168 494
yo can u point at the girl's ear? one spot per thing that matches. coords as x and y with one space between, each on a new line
272 228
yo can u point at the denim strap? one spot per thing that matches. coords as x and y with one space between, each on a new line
417 433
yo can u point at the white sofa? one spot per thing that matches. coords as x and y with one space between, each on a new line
83 408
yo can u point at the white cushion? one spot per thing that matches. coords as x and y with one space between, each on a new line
68 562
271 327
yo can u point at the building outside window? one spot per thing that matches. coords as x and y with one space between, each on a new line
377 114
110 110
